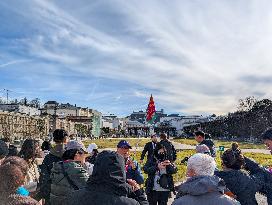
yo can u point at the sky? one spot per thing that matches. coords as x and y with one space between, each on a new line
194 56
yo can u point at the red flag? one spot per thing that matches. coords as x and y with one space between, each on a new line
151 111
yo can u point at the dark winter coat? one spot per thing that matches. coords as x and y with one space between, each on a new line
171 152
240 184
54 156
61 186
151 167
46 146
262 177
202 190
107 185
149 149
209 143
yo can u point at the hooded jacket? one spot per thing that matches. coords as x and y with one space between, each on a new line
240 184
61 188
54 156
262 178
107 185
201 190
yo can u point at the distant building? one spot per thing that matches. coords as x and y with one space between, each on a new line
18 108
140 116
61 110
179 122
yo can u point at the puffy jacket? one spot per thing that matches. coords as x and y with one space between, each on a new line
54 156
151 167
135 174
201 190
66 177
262 178
240 184
107 185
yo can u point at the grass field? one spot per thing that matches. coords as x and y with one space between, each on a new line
227 144
112 143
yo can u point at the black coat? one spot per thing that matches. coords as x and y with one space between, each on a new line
240 184
148 148
151 167
170 150
262 178
44 188
107 185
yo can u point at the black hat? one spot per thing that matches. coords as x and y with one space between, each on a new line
3 149
59 135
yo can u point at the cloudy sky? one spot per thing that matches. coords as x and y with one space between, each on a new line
194 56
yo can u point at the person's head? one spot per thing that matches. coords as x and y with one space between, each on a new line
163 136
160 152
232 158
154 138
11 177
123 148
204 149
17 161
75 151
4 150
6 140
199 136
30 150
267 139
109 170
200 165
16 199
60 136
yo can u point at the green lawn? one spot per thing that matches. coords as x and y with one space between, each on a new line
112 143
227 144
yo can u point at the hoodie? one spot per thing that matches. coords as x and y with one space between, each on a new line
199 189
54 156
107 185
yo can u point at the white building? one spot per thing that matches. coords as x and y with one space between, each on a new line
24 109
61 110
179 122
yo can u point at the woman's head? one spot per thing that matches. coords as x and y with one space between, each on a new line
233 158
160 152
17 161
11 177
200 164
30 149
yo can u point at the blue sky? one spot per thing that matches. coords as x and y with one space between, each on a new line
194 56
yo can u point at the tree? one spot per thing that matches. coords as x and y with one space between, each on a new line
261 104
23 101
246 104
35 103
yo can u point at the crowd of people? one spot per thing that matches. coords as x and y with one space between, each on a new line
65 172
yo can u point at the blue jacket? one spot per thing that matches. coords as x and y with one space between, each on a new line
135 174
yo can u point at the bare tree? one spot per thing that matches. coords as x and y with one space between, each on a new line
246 104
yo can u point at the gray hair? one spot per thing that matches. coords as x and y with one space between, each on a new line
202 164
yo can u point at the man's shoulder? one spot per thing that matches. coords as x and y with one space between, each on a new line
207 142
